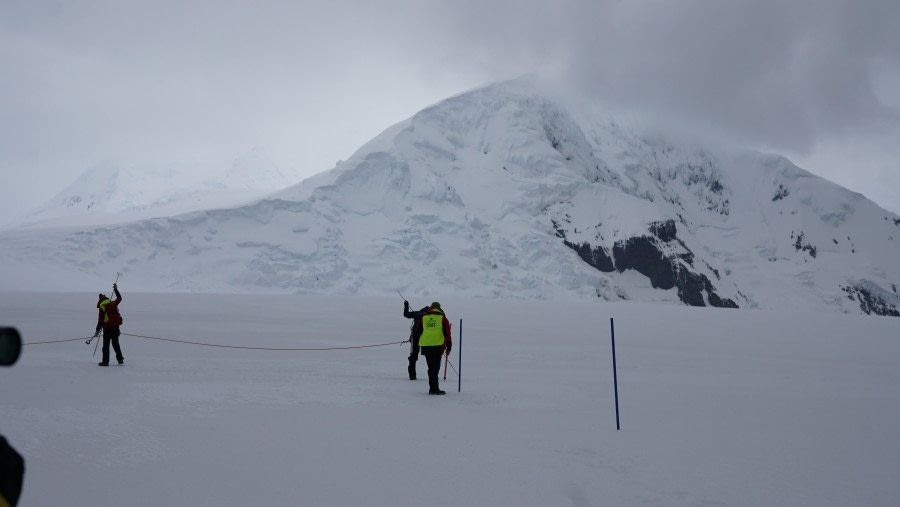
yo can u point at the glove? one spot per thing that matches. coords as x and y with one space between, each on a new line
449 346
115 286
405 304
96 333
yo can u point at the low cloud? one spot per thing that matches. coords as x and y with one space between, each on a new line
312 82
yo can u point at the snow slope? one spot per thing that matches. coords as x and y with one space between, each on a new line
116 193
503 192
717 407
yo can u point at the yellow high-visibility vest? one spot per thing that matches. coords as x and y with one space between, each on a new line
103 307
432 330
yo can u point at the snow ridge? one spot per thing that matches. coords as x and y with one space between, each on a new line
116 193
501 192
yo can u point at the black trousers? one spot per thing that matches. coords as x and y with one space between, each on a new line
413 356
111 334
413 350
433 358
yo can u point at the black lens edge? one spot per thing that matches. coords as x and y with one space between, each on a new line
10 345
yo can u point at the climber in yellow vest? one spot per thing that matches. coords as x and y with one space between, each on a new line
433 332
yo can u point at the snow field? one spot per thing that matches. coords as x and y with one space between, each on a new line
718 407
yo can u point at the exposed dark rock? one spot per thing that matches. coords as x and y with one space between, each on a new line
667 232
714 270
690 287
781 193
556 143
723 208
642 255
595 256
719 302
664 230
560 232
799 245
870 303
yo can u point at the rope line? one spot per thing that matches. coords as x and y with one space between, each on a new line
453 367
262 348
225 346
56 341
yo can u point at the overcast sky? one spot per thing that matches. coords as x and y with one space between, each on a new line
147 82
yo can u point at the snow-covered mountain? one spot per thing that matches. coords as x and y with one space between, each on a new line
503 192
116 193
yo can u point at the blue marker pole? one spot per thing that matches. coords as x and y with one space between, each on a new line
612 330
459 361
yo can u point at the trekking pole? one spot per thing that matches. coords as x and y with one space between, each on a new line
453 367
446 362
95 346
401 295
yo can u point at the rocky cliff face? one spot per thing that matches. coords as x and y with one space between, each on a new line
660 256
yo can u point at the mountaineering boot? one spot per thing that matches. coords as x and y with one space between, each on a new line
436 391
102 364
120 359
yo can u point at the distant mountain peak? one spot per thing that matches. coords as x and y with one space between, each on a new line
113 192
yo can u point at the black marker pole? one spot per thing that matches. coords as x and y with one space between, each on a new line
459 361
612 330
